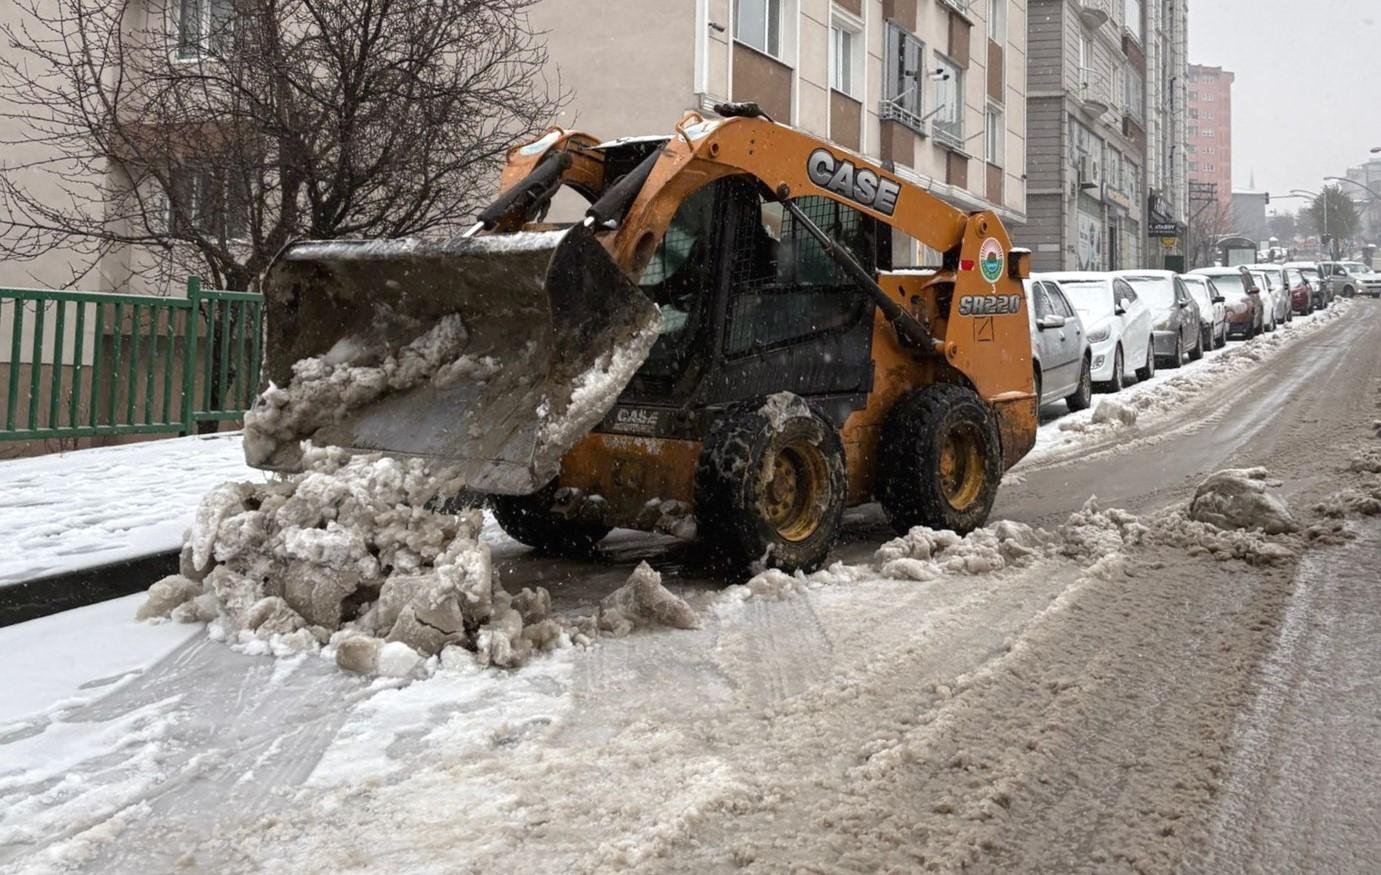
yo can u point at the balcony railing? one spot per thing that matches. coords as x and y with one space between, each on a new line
891 111
948 133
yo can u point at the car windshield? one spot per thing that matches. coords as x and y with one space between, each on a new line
1263 279
1158 291
1354 267
1091 297
1198 290
1295 277
1310 273
1230 286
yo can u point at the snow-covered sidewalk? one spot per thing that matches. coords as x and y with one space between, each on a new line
82 509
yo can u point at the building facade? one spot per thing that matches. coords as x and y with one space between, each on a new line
1106 128
935 89
1210 128
1367 176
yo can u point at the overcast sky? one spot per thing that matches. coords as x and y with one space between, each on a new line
1307 100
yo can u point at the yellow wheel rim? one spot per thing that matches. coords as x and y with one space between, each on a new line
796 492
961 466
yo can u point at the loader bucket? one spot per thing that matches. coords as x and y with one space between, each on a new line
552 308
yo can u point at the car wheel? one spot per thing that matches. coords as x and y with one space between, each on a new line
939 460
1148 370
531 520
771 486
1040 397
1119 379
1348 291
1178 358
1198 351
1083 396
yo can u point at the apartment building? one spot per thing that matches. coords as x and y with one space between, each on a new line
934 88
1106 126
1210 128
1366 194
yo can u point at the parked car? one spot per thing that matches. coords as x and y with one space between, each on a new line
1350 278
1059 350
1174 315
1117 323
1274 296
1213 313
1321 292
1301 291
1246 312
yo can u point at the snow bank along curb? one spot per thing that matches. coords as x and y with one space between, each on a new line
1144 402
349 559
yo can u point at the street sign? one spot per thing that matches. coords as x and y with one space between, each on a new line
1163 229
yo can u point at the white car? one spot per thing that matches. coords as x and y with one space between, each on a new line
1213 314
1117 324
1275 297
1059 351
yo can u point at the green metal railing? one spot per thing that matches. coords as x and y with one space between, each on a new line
87 364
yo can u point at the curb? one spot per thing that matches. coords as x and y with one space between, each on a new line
42 596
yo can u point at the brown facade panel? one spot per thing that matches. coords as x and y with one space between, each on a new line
996 77
898 144
994 189
854 6
956 169
903 12
959 33
846 121
764 80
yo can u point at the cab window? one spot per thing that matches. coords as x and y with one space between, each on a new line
784 287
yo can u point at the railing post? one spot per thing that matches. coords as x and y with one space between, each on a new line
189 356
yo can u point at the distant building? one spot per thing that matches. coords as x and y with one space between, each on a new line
1368 205
1249 214
1210 128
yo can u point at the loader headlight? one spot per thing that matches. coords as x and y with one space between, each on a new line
1098 335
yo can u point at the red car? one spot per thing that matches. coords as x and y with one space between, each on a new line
1301 292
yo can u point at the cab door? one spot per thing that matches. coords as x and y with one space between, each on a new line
1071 337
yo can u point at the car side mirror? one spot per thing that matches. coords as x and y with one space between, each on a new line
1119 310
1050 322
1184 305
1254 292
1219 299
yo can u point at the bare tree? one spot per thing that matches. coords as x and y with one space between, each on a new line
209 133
1210 222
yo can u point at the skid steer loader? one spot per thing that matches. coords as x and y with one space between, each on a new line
719 347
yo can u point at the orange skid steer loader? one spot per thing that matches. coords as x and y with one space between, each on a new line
719 348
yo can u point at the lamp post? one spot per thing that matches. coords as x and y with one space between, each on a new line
1332 243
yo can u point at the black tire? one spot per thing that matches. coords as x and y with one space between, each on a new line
1148 370
1348 291
1036 380
1178 358
771 486
939 460
1083 396
530 520
1198 351
1119 373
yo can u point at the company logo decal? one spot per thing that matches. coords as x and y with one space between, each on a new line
990 259
861 186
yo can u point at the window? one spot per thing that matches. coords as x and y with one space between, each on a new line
1133 92
785 287
846 62
905 72
759 24
1085 61
210 200
202 26
1210 167
1058 305
1132 16
997 21
949 102
680 279
994 141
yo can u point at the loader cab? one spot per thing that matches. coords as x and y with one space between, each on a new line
752 304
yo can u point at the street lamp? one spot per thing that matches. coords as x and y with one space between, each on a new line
1368 190
1375 149
1304 192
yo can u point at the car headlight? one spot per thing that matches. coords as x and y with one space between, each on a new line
1098 335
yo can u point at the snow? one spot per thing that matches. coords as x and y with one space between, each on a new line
1239 498
1165 394
78 655
69 511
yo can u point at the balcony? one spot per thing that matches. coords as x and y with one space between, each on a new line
948 134
960 6
891 111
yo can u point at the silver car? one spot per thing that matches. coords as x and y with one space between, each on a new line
1213 314
1350 278
1174 315
1275 297
1059 349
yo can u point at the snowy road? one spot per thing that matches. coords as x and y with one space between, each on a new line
1123 701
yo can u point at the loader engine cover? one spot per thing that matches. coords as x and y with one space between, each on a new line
565 326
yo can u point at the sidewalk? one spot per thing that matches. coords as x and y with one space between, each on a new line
66 512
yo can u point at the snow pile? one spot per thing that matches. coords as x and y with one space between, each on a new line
1237 498
1362 497
926 554
355 372
350 559
1110 410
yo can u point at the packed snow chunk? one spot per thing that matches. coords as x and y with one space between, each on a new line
1237 498
644 602
925 554
397 660
356 371
359 653
167 595
1110 410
